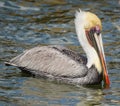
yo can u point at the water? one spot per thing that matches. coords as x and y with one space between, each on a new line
27 23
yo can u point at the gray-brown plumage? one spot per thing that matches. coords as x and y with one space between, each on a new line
64 65
56 63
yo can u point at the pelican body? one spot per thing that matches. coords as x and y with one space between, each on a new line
62 64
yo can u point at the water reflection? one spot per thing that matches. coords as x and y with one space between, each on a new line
28 23
40 91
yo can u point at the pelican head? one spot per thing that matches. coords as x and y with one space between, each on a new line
88 28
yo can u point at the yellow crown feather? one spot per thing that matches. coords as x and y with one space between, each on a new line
92 20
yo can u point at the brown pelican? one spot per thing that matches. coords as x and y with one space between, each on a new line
61 64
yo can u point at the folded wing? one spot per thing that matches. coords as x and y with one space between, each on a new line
51 60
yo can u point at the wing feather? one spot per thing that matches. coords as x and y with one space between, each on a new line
51 60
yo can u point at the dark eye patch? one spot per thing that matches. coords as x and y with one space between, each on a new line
96 30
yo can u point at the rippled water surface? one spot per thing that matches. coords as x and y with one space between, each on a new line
27 23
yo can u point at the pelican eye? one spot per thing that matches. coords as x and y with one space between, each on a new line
96 30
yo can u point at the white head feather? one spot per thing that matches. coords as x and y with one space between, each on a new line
82 22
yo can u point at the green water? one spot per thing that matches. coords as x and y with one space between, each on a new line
27 23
